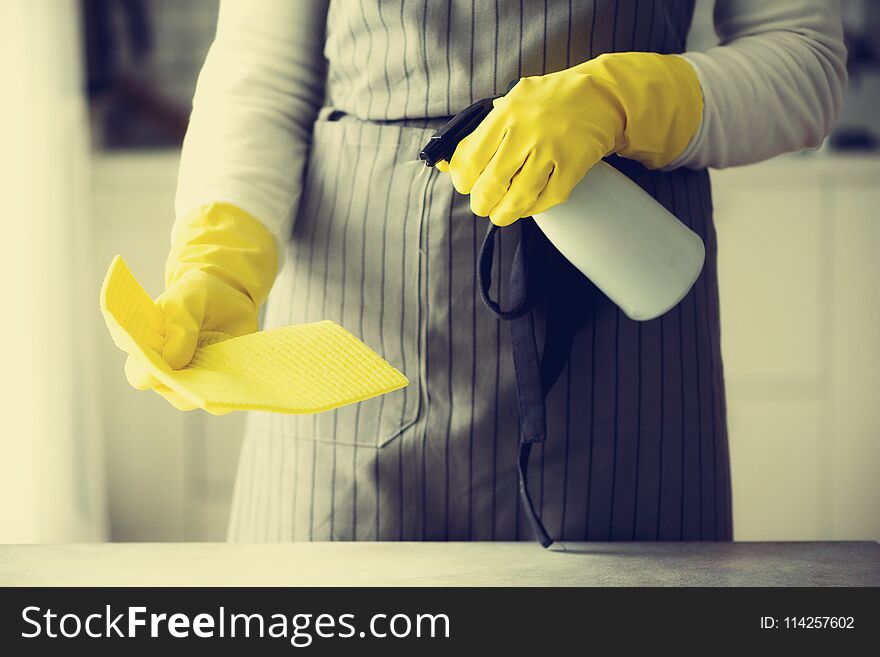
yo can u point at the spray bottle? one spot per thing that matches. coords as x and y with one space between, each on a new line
631 247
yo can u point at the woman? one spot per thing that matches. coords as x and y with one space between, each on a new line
301 152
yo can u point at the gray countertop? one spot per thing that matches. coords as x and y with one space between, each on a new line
442 564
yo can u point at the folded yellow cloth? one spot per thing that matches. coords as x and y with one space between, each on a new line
305 368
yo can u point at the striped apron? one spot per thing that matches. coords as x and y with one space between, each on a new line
637 443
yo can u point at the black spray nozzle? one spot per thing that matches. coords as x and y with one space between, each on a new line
442 144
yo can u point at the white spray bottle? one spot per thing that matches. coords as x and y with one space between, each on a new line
631 247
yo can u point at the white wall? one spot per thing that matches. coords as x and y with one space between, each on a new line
51 486
799 276
170 473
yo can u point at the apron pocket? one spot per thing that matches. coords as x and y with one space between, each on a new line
354 258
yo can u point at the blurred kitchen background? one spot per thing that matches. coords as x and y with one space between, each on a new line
96 102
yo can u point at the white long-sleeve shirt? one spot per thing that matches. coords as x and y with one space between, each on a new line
775 83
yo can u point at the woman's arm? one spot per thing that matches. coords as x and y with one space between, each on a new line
775 84
257 97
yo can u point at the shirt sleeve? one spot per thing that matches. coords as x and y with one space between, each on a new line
774 84
256 99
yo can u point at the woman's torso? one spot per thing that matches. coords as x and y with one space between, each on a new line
391 60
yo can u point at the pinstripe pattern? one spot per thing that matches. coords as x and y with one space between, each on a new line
637 446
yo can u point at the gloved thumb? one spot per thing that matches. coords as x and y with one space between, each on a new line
183 308
139 373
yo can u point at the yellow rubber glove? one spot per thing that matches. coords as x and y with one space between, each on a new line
220 269
545 134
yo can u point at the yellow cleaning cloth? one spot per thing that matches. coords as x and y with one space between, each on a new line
306 368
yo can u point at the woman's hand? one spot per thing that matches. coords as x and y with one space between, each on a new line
220 269
545 134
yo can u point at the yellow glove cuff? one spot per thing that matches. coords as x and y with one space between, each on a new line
661 99
226 242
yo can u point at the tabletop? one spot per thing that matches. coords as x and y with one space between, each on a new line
850 563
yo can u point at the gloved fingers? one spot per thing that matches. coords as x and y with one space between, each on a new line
179 402
525 187
495 179
442 165
474 152
556 191
229 313
183 307
139 374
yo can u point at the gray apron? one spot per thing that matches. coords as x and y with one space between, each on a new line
637 443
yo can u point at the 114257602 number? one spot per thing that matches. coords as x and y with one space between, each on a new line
818 622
